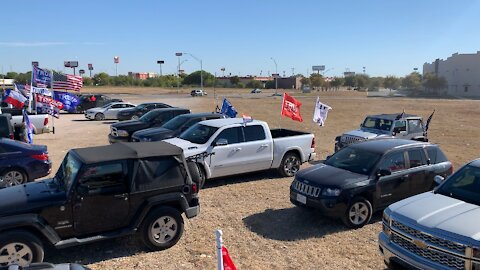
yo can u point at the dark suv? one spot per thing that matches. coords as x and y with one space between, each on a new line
93 101
368 176
140 110
100 193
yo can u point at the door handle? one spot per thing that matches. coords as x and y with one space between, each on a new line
237 149
264 145
123 196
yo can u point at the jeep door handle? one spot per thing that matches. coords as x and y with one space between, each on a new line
237 149
264 145
123 196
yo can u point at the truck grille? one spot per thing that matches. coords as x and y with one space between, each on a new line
114 131
429 254
349 139
306 189
435 241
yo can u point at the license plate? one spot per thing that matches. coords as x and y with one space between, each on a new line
301 198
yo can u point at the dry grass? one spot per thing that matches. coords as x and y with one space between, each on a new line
262 229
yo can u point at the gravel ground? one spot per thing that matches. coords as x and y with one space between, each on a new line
262 229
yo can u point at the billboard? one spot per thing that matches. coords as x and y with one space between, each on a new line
349 74
90 67
318 68
70 64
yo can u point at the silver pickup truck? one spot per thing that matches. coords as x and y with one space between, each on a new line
236 147
439 229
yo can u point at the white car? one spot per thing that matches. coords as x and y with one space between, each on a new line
107 111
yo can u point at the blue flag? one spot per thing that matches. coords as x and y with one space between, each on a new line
70 101
41 77
28 127
228 109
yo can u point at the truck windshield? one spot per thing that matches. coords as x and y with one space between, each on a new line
175 123
463 185
377 123
148 117
198 133
354 160
68 171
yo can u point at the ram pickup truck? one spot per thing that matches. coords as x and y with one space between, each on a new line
238 147
39 121
401 126
438 229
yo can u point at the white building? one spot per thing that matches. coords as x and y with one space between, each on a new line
462 72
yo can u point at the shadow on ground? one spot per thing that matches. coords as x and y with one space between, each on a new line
109 122
295 223
241 178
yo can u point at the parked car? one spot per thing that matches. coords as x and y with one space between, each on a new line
256 91
21 162
174 127
6 126
122 131
365 177
86 101
140 110
108 111
438 229
241 147
198 92
402 126
43 266
100 193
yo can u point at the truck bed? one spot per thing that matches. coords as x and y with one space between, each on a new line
281 133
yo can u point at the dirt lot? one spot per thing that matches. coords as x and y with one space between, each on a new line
262 229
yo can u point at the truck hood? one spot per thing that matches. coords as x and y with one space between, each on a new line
325 175
440 213
30 197
189 148
155 134
131 125
366 133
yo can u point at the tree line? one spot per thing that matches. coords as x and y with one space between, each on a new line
412 81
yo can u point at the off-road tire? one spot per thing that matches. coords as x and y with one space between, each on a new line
358 213
19 242
290 165
197 173
159 224
99 117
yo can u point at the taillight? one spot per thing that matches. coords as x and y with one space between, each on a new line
313 143
194 188
45 121
450 171
42 157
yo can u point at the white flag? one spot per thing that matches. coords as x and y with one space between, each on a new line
320 113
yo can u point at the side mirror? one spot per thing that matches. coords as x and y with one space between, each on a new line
221 142
383 172
329 156
438 180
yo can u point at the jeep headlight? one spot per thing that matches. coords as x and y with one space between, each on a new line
342 139
122 133
331 192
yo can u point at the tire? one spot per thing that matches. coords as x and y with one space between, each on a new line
99 116
197 173
134 117
358 214
162 229
13 177
290 165
20 247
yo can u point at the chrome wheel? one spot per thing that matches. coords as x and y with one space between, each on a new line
291 165
164 229
12 178
358 213
16 253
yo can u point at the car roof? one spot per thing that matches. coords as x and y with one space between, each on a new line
121 150
169 109
227 121
146 103
385 145
118 102
393 116
197 115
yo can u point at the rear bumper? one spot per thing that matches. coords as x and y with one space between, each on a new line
39 169
194 209
312 156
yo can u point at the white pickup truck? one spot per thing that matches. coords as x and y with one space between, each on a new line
236 147
39 121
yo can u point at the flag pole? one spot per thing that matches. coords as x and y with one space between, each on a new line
281 110
219 240
53 118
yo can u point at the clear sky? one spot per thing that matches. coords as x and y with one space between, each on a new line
386 37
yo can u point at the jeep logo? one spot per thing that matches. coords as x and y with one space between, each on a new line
420 244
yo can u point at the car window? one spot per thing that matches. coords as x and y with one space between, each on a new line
355 160
254 133
128 105
103 176
150 106
436 155
415 126
393 162
377 123
463 185
232 135
116 106
416 158
400 126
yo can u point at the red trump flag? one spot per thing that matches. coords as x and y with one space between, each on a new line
291 107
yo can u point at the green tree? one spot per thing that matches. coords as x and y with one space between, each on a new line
337 82
101 79
432 82
349 81
375 83
194 78
23 77
413 81
316 80
254 84
362 80
305 81
87 81
391 82
11 75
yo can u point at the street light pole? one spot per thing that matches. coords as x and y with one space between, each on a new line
276 75
178 71
160 62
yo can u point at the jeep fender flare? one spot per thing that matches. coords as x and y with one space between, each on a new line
31 222
176 198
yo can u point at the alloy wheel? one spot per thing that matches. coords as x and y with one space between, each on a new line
358 213
164 229
16 253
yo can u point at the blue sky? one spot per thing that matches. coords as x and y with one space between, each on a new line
387 37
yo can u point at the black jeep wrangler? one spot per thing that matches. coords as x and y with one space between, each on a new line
100 193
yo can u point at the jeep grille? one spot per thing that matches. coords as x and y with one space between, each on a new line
306 189
349 139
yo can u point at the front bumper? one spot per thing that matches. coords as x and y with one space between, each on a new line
393 254
331 207
90 116
113 139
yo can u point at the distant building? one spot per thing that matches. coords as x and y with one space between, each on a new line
139 75
289 82
225 81
462 72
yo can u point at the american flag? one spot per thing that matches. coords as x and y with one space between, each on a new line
67 82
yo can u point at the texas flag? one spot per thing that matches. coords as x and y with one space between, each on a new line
291 108
15 98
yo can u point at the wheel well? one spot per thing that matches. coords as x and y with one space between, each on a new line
174 205
367 196
16 168
31 230
296 152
